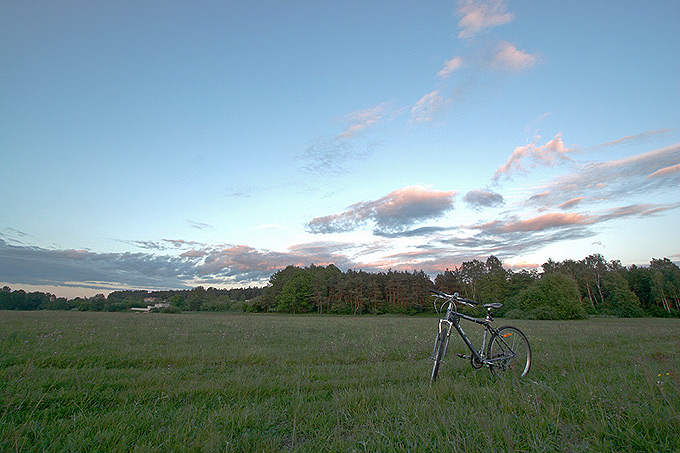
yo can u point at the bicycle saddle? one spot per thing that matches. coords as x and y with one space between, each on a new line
494 305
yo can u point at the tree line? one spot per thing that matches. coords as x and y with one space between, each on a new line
196 299
561 290
568 289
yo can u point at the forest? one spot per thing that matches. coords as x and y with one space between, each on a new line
568 289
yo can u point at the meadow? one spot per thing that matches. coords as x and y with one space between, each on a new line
83 381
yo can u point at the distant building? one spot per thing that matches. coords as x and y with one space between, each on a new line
157 305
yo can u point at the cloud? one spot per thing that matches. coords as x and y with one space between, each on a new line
637 137
665 171
160 246
221 265
39 266
513 237
542 222
331 156
392 213
145 245
476 16
428 107
193 253
508 58
570 203
478 199
444 251
635 210
416 232
507 244
181 243
646 173
199 225
362 119
437 248
450 66
547 154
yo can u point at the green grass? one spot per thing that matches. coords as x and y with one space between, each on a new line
84 381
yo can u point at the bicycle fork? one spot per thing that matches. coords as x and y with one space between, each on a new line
439 338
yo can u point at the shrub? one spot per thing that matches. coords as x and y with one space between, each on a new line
238 306
543 313
215 305
553 296
172 309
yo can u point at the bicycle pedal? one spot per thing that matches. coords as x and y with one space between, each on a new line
463 356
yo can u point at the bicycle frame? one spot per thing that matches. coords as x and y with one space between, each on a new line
453 319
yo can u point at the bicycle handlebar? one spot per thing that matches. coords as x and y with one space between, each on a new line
454 297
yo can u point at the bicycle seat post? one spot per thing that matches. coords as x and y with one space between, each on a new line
489 315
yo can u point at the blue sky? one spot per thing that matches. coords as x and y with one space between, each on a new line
173 144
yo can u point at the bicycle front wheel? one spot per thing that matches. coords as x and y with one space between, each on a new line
509 352
440 344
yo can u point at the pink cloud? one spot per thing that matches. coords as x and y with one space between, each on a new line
428 107
548 154
194 254
476 16
637 137
649 172
542 222
362 119
450 66
642 210
570 203
507 57
393 212
665 171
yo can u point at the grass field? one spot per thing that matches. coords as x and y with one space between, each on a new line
84 381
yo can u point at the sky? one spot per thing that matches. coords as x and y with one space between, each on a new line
170 144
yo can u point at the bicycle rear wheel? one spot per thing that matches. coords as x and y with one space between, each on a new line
440 344
510 351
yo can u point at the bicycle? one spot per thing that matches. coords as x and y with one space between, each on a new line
507 350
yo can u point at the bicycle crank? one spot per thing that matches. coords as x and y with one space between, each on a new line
475 362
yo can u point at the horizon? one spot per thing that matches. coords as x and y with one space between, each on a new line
76 292
165 146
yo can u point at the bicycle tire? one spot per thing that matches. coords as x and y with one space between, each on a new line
518 361
441 342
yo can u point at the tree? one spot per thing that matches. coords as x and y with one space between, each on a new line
178 300
450 282
296 294
197 297
494 282
666 283
619 299
471 273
